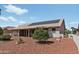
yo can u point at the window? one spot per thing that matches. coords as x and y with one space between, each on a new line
53 29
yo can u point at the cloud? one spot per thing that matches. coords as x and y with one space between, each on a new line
3 18
21 22
10 18
74 24
15 9
32 17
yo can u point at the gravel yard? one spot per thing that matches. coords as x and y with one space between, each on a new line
30 46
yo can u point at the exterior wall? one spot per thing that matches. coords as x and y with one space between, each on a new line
14 33
61 28
77 31
6 32
58 29
50 32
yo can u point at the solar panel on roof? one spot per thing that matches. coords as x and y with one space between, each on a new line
45 22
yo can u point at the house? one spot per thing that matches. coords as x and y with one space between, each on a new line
77 30
7 29
53 26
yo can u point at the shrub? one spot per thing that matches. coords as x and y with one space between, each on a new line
67 32
1 31
40 34
5 37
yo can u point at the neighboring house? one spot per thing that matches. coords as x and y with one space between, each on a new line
77 30
7 30
53 26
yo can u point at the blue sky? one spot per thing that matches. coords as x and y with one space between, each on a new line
16 14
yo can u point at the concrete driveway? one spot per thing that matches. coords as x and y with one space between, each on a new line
76 40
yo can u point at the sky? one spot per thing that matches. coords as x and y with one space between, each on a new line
17 14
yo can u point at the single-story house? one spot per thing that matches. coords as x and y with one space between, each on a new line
52 26
7 30
77 30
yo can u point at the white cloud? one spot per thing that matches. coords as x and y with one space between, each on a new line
21 22
3 18
32 17
16 10
10 18
74 24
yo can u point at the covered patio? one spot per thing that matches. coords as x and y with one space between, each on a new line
29 32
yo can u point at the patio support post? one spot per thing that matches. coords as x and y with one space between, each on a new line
28 33
18 33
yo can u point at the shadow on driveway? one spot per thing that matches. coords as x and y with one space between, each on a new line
45 42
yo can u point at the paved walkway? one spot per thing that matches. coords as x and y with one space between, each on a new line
76 40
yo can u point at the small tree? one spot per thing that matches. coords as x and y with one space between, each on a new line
66 32
73 30
1 31
40 34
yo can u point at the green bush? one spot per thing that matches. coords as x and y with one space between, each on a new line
40 34
1 31
67 32
5 37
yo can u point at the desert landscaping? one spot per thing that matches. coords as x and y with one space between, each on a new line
30 46
49 29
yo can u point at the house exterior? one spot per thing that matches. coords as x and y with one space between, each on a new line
7 30
52 26
77 30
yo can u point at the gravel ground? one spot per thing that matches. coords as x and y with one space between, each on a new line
30 46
